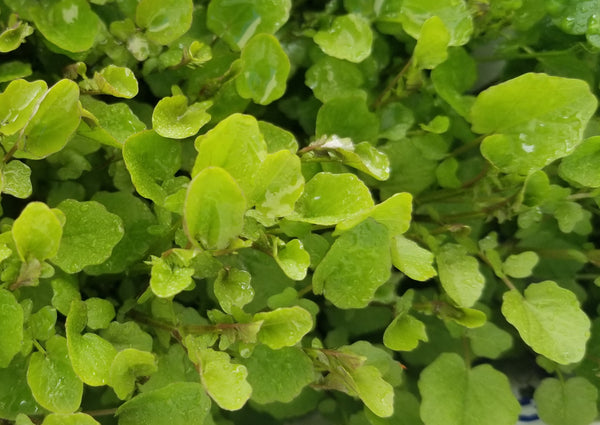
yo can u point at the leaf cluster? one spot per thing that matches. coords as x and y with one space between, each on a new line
362 212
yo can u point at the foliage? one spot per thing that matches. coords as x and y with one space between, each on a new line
249 211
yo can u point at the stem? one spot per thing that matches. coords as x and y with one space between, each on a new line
467 146
391 85
10 153
302 292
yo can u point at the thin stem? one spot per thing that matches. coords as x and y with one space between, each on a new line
391 85
467 146
10 153
302 292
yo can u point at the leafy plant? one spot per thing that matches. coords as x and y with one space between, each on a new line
249 211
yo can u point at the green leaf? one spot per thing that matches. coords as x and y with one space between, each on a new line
237 21
91 355
15 394
293 259
456 395
356 265
373 390
404 333
277 139
580 166
151 159
235 145
549 320
223 380
55 119
454 14
330 78
164 21
532 120
459 274
233 289
278 375
126 367
363 156
283 327
520 265
454 77
127 335
432 44
70 24
278 184
16 179
11 327
264 70
18 103
174 118
37 232
137 219
570 402
116 122
169 275
69 419
14 35
113 80
411 259
349 37
331 198
395 213
490 341
42 323
347 116
214 209
179 403
89 235
52 380
12 70
100 312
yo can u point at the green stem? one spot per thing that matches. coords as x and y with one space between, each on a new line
391 85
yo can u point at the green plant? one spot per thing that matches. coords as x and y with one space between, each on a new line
246 211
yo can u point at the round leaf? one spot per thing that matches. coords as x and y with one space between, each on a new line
233 289
168 278
18 102
151 159
264 70
11 327
278 184
356 265
172 117
235 145
278 375
89 235
520 265
581 166
330 198
70 24
411 259
56 118
571 402
52 380
349 37
293 259
69 419
404 333
454 14
373 390
37 232
224 381
126 367
459 274
214 209
533 120
164 20
283 327
179 403
549 320
455 395
347 116
236 21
